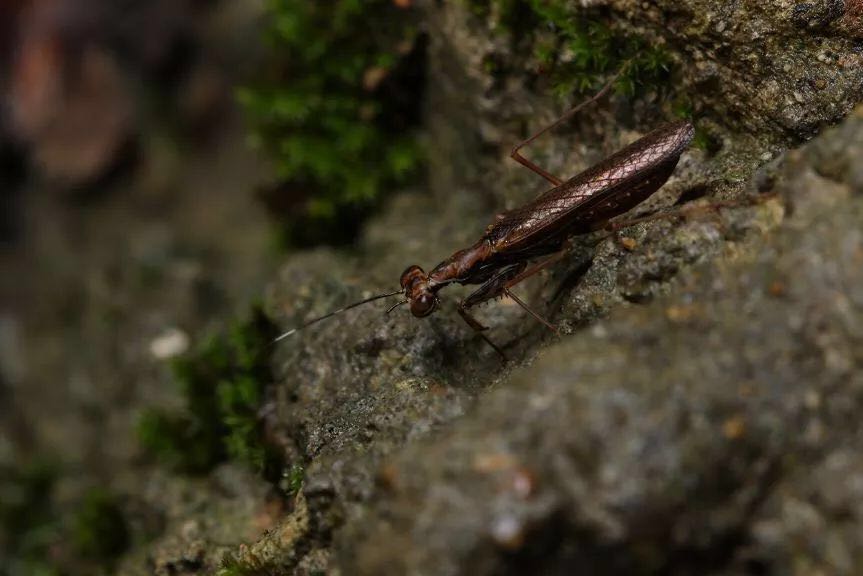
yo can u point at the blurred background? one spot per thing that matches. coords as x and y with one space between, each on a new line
156 159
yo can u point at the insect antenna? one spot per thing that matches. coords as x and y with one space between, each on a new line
333 313
396 305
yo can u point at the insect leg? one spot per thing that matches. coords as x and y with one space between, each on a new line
478 328
471 321
499 284
618 225
494 286
554 258
516 155
530 311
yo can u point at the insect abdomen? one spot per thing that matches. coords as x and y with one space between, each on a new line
603 191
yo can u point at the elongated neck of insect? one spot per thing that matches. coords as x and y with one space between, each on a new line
459 265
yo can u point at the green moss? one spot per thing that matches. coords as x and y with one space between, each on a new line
704 140
223 382
181 441
29 525
294 479
98 528
479 8
577 47
337 111
38 537
233 567
682 107
510 16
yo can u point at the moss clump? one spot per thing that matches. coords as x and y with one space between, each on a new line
704 139
29 526
337 112
294 479
577 47
233 567
98 528
707 141
38 537
223 382
510 16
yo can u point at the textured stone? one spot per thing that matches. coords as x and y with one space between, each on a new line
655 440
715 429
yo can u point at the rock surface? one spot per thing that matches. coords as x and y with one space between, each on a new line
678 436
714 431
782 68
696 416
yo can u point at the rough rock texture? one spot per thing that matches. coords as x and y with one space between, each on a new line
679 436
782 68
716 430
697 415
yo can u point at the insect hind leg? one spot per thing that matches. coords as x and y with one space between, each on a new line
516 154
686 210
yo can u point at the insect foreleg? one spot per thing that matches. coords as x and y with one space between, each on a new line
494 286
478 328
498 285
553 259
491 288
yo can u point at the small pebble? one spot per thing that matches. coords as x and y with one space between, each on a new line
169 344
734 427
508 532
812 399
628 243
777 289
523 483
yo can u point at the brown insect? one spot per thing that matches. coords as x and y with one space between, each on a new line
539 231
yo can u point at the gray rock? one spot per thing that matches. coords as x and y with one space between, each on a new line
782 68
665 439
715 430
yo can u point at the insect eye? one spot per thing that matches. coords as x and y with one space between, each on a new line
423 305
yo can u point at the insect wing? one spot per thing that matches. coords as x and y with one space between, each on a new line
640 168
